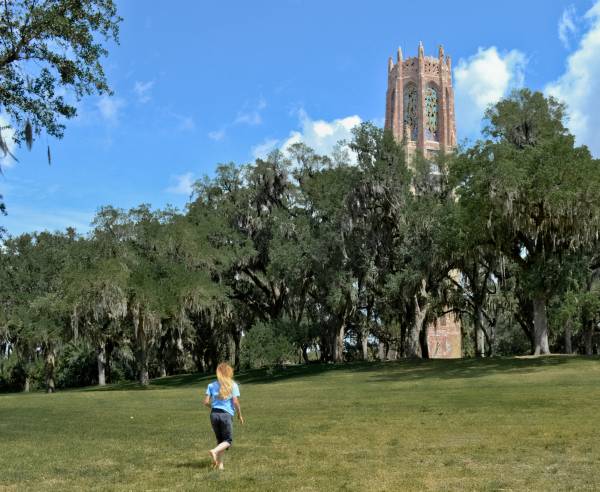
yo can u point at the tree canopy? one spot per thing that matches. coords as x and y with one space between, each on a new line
299 257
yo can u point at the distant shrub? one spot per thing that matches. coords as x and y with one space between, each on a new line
266 345
14 371
76 366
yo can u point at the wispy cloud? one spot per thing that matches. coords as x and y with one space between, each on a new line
142 90
217 135
185 123
183 184
579 86
481 80
25 219
110 108
261 150
250 114
567 26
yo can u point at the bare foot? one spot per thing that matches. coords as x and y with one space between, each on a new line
221 467
213 456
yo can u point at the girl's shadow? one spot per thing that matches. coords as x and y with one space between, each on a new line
196 465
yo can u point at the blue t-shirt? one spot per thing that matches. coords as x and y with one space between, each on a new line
213 391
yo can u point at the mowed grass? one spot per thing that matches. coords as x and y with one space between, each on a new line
500 424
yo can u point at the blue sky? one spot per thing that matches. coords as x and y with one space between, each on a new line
199 83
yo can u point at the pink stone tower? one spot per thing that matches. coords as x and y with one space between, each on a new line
419 110
419 107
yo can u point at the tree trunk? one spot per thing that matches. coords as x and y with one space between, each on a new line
392 353
101 359
413 346
162 370
305 353
27 386
479 334
50 364
568 343
139 328
143 358
381 351
180 358
339 343
587 340
364 340
109 350
424 342
540 327
237 343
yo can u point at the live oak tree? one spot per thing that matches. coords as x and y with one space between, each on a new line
49 48
534 192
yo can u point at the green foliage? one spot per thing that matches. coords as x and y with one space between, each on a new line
299 256
45 47
76 366
267 345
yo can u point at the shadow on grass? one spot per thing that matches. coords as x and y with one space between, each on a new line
387 371
473 368
196 465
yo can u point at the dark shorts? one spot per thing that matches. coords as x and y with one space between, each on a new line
222 426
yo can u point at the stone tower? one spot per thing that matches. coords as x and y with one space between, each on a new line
419 111
419 107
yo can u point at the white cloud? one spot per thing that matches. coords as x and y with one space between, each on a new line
321 135
142 90
7 136
579 86
481 80
261 150
184 184
109 108
186 123
251 115
217 135
567 25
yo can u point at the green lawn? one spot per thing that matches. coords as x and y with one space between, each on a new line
502 424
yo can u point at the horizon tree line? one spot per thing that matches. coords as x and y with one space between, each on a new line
301 257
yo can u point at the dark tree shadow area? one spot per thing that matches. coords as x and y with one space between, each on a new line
385 371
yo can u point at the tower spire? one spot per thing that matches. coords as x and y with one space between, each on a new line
399 54
421 50
441 52
390 64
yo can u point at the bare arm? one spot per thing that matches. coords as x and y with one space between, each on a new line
206 401
238 409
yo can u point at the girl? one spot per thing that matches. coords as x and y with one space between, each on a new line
222 398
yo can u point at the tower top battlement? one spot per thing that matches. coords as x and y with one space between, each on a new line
411 63
420 101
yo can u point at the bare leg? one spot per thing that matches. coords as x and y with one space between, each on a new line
217 454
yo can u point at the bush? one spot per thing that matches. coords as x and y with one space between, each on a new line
13 373
266 345
76 366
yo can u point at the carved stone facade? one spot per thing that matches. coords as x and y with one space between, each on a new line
420 112
420 102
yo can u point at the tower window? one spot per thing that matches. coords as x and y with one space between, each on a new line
431 114
410 111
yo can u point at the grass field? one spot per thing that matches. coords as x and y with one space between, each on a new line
500 424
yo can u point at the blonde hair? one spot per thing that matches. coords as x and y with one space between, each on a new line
225 378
